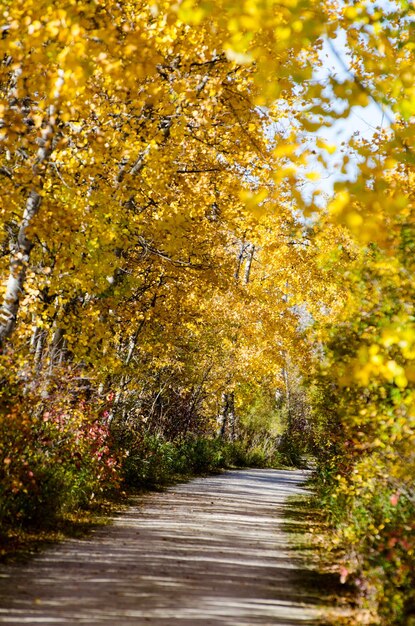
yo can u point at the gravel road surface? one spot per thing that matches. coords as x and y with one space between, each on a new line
211 552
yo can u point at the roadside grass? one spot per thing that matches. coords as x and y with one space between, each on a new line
320 578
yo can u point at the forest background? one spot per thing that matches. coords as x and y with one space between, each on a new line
180 290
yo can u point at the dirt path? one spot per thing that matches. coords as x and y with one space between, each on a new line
207 553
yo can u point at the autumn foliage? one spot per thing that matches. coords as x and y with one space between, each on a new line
170 259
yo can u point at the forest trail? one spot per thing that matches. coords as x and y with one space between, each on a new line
211 552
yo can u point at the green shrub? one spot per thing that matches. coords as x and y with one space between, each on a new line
51 461
150 460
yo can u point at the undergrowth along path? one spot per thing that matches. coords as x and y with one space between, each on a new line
211 552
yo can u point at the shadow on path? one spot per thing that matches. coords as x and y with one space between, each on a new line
209 552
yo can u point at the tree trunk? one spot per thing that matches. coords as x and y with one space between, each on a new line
249 258
57 348
224 415
18 268
20 254
39 342
287 396
239 261
228 418
232 416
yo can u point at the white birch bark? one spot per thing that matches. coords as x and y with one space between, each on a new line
249 258
20 253
18 269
